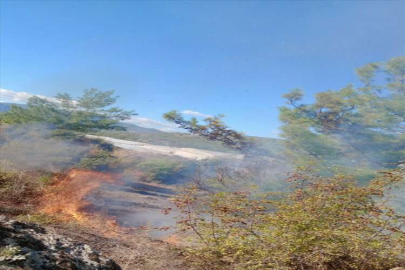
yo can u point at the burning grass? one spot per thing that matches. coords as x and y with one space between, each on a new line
66 199
86 199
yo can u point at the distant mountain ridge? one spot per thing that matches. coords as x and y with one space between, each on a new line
135 128
6 106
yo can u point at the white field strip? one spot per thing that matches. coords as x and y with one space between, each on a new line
190 153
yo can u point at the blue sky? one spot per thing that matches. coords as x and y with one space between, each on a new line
230 57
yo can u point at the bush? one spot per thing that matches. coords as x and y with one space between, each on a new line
99 160
162 170
21 190
321 224
18 185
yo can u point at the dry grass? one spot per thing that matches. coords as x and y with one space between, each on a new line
131 250
20 190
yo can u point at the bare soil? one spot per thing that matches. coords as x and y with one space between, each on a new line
130 250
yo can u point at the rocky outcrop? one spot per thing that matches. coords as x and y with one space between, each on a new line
29 246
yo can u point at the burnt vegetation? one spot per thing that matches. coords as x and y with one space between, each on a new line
317 199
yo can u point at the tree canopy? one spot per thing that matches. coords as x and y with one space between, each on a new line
327 220
362 124
92 111
214 130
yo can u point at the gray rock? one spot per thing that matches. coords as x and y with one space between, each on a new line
29 246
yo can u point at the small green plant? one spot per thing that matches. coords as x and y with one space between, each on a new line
8 252
38 218
46 178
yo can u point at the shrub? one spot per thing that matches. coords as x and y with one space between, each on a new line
162 170
19 186
100 160
323 223
21 190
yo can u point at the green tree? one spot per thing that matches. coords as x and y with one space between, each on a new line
214 130
355 125
94 110
327 220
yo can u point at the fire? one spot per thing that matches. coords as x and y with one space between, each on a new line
66 200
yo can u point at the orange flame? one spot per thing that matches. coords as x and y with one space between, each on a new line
66 199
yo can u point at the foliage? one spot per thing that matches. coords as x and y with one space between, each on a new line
38 218
321 224
92 111
163 170
68 135
364 125
214 130
99 160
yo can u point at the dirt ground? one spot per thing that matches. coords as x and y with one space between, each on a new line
131 250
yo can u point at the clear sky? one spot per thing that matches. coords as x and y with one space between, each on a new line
230 57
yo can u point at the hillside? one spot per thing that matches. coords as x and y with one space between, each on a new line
188 153
135 128
264 146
